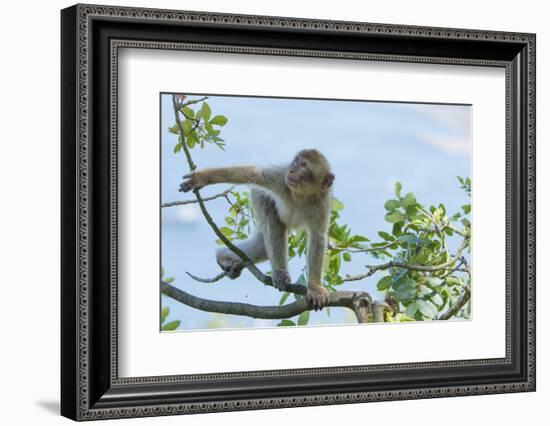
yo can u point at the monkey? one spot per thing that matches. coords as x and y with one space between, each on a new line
293 196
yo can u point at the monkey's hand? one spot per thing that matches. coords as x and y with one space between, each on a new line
280 279
192 181
317 296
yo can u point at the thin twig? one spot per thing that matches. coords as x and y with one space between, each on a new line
186 202
193 101
207 280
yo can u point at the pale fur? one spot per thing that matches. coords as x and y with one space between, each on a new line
278 209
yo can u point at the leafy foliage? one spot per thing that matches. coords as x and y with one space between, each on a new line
198 126
167 326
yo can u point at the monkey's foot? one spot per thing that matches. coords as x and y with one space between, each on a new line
317 296
281 279
231 267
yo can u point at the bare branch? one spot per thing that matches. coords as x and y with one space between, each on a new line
186 202
348 299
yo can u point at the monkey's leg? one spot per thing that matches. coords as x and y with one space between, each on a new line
317 295
276 243
232 264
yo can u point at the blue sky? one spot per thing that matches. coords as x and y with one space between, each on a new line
370 145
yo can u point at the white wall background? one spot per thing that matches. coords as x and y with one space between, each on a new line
29 216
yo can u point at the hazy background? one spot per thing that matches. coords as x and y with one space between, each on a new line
370 145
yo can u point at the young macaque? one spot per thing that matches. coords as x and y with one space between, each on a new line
293 196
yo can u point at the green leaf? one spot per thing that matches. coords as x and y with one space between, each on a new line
209 129
192 139
171 325
219 120
453 281
164 313
391 205
284 297
398 187
405 288
433 281
384 283
426 308
385 236
169 280
347 257
455 217
394 217
411 310
226 231
412 212
408 200
396 229
178 147
286 323
205 111
467 208
174 129
303 318
187 126
337 205
188 112
436 299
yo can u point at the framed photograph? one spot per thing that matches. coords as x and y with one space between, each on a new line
263 212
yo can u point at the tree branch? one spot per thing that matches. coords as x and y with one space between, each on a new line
207 280
193 101
458 305
354 300
213 197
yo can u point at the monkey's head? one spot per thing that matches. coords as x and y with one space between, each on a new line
309 173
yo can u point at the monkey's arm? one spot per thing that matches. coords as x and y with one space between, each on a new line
272 178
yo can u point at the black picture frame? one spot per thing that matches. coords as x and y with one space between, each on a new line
90 386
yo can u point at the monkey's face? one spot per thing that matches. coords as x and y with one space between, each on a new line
306 176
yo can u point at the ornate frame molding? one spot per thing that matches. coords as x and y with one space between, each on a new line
86 404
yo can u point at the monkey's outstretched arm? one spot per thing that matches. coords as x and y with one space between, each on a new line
272 178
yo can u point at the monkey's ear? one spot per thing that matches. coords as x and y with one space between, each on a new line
326 183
